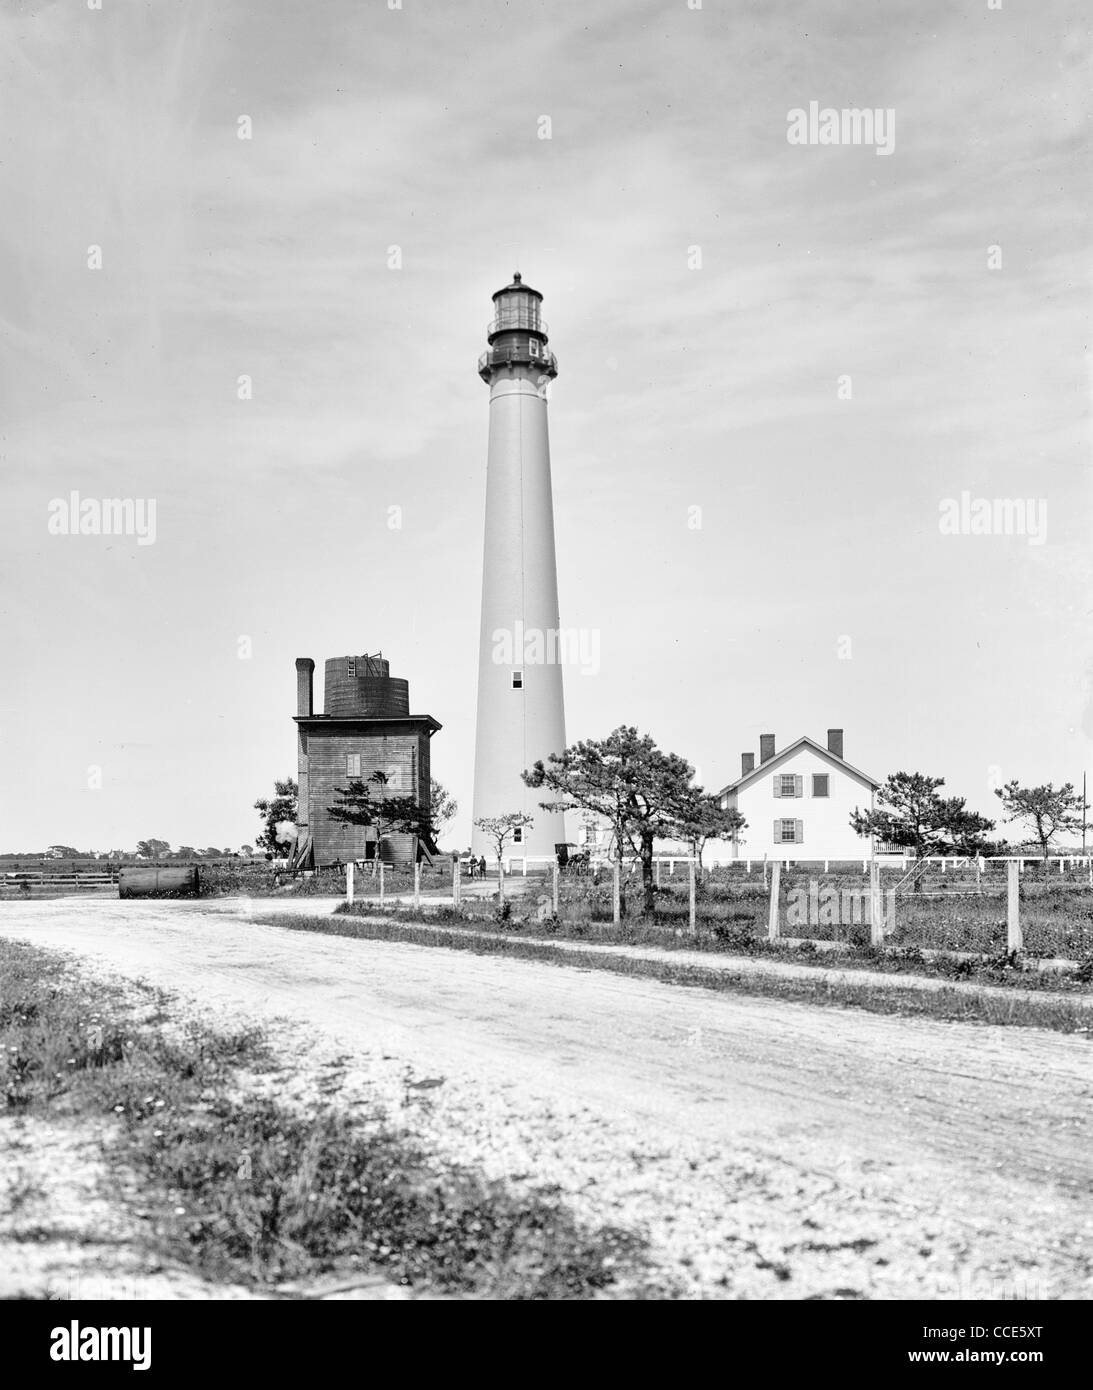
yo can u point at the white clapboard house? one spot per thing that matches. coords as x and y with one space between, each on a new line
798 802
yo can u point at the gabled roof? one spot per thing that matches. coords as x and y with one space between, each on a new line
804 742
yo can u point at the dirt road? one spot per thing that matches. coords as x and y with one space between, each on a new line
768 1149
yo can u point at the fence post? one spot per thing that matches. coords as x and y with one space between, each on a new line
349 881
525 866
381 878
691 896
456 884
772 918
616 913
1013 908
554 893
876 911
417 884
500 882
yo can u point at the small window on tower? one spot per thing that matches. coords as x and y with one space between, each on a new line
351 666
518 835
517 680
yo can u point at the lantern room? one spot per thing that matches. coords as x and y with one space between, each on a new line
517 333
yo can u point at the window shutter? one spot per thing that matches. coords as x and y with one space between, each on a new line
799 832
777 832
777 785
798 785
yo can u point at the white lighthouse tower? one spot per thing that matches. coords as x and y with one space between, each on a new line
521 716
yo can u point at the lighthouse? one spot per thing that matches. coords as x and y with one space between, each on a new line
521 716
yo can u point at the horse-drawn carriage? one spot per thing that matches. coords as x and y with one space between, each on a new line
569 862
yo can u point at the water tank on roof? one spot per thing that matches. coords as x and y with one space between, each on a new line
361 687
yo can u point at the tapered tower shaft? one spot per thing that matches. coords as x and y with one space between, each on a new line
520 700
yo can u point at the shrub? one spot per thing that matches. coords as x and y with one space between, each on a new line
1003 960
735 936
448 913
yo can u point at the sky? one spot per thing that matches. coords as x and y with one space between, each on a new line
778 363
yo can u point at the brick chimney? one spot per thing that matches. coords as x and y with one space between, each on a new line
305 673
835 742
747 763
766 747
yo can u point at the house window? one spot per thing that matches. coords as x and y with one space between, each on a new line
789 785
352 764
788 834
821 784
518 835
517 680
351 666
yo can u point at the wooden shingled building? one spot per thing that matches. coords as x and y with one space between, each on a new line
366 727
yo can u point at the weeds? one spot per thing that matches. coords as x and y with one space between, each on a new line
248 1189
727 938
964 1005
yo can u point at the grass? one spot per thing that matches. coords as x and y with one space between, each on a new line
249 1190
949 1003
1057 918
733 937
